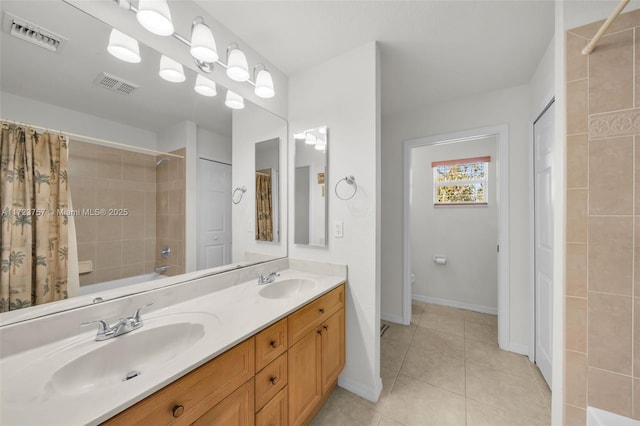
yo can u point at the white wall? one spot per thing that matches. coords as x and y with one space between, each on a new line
214 146
18 108
251 125
342 93
467 235
506 106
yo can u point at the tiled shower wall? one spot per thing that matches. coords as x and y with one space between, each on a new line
602 303
109 178
170 211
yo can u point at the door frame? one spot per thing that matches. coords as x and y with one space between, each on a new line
501 132
532 229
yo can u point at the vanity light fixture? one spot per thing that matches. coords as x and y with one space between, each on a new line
264 82
299 136
171 70
204 86
321 144
203 45
237 66
124 47
233 100
155 16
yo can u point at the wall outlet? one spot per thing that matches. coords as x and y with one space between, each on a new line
338 229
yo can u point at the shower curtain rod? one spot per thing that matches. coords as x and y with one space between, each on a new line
91 138
605 26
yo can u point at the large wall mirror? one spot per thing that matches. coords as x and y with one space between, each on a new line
310 195
169 181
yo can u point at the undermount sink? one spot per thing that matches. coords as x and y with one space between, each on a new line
286 288
88 365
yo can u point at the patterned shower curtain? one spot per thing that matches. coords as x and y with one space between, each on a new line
33 188
264 212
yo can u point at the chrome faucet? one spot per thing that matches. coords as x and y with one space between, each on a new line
269 278
124 325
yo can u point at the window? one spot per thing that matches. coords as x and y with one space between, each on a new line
461 182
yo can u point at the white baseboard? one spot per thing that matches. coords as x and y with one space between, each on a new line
392 318
519 349
455 304
359 389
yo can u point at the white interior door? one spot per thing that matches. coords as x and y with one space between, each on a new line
543 131
214 214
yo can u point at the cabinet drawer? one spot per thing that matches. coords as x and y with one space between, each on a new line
271 343
186 399
236 409
271 380
275 412
310 316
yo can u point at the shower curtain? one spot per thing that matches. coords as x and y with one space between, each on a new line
34 188
264 212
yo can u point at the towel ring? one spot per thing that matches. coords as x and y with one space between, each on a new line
233 196
351 181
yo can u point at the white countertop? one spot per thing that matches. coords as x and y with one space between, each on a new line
30 397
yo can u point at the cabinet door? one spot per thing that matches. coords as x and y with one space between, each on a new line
305 382
332 349
236 409
275 412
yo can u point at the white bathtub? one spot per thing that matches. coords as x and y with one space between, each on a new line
110 285
597 417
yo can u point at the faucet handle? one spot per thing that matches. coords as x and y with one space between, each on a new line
103 327
136 316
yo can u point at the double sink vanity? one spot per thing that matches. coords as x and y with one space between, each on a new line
230 351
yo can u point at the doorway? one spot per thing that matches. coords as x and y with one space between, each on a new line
214 213
501 198
543 140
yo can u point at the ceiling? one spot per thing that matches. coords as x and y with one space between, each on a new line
431 51
65 78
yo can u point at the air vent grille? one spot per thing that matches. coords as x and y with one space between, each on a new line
115 84
32 33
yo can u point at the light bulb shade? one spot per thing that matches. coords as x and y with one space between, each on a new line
124 47
321 142
233 100
320 147
310 139
237 66
171 70
264 84
203 45
299 136
204 86
155 16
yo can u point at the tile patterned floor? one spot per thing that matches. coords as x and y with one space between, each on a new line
446 369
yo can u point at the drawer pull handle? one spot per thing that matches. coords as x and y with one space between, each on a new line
177 411
320 331
273 344
273 380
326 327
322 310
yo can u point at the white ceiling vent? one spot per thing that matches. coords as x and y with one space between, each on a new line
115 84
28 31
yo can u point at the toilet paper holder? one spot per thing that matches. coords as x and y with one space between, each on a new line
440 260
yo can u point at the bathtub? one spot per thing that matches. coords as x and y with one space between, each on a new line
110 285
597 417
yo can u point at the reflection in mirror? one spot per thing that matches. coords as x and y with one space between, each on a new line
165 185
310 199
267 177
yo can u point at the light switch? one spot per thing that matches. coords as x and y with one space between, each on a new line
338 232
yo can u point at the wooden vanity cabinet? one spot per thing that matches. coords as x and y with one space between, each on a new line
280 376
316 357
